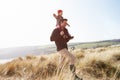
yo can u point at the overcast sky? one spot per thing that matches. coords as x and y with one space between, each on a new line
30 22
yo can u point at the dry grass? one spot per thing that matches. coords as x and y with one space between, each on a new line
92 64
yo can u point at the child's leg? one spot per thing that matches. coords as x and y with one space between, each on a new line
57 26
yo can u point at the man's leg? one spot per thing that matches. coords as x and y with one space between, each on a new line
61 61
72 66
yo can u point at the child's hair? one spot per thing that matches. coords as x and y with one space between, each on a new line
59 11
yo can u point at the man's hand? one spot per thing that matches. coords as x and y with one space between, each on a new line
72 37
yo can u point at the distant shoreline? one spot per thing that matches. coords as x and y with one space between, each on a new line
3 61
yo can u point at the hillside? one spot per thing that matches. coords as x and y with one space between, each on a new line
101 63
97 44
8 53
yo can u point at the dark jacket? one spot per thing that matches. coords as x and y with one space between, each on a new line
60 41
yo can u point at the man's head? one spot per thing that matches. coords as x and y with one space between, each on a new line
63 23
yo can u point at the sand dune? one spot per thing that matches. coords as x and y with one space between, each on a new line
102 63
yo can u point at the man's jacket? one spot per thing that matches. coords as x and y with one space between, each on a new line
60 41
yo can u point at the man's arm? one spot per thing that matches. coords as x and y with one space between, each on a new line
55 36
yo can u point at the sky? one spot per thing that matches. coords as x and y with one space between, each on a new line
31 22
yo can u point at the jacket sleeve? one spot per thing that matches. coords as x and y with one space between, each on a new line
55 36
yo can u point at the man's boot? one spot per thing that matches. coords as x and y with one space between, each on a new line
77 78
73 69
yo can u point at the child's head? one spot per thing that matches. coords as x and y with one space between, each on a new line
60 12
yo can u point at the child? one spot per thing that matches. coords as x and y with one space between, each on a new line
59 17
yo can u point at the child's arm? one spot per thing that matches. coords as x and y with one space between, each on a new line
68 24
55 16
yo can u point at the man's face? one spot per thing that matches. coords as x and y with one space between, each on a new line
63 24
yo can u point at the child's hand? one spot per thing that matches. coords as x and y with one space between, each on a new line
54 14
62 33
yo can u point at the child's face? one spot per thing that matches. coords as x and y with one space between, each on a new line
60 13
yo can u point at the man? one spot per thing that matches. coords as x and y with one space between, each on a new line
61 36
